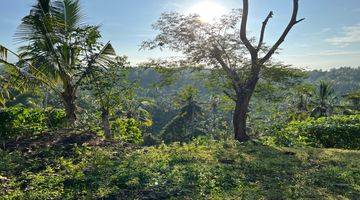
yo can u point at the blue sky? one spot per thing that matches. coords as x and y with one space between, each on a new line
329 37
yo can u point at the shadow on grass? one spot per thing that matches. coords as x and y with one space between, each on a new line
198 170
229 170
284 173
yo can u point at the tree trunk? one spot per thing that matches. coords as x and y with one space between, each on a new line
239 119
69 97
106 123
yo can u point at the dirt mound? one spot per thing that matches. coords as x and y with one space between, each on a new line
58 139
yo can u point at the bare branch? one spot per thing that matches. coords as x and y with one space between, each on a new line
231 73
302 19
225 52
243 36
270 15
292 22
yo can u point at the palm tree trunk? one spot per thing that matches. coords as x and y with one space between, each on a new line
69 97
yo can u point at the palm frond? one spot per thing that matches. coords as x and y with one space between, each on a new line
68 14
103 59
106 56
23 74
37 25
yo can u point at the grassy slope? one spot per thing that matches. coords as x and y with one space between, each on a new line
200 170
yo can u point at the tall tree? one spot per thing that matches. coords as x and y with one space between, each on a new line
108 89
245 89
59 49
223 44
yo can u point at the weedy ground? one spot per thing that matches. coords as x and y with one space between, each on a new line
203 169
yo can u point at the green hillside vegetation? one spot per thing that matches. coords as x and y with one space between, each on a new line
202 169
222 121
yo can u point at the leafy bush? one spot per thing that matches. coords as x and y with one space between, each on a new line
56 118
150 140
19 120
127 130
329 132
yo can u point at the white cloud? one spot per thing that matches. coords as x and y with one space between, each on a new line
327 53
338 53
351 35
325 30
320 32
173 5
304 45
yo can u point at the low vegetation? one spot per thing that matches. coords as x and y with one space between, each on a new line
202 169
328 132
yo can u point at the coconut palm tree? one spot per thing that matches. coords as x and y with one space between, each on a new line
59 50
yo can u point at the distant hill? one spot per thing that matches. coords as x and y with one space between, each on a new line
345 79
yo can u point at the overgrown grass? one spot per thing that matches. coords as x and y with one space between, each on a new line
202 169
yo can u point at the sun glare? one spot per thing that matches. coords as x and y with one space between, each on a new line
208 10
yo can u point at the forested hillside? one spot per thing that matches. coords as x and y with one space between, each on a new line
345 79
164 87
222 120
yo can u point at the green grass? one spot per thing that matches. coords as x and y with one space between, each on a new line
200 170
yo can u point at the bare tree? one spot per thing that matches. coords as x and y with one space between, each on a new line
245 90
222 45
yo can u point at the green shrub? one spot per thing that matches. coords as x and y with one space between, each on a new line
56 118
337 131
202 169
150 140
127 130
18 120
329 132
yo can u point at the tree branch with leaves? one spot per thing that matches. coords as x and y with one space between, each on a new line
223 44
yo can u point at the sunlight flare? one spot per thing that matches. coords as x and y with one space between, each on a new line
208 10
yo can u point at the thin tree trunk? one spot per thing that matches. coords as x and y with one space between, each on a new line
106 123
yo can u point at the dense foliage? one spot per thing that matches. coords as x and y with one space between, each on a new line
345 79
328 132
185 125
127 130
20 121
